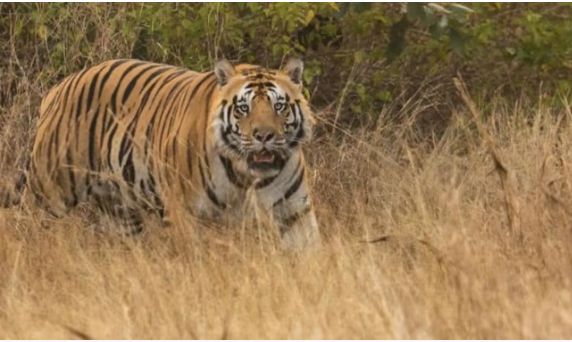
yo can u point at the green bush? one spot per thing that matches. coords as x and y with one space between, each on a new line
360 57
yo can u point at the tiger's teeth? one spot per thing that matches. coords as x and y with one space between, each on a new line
263 157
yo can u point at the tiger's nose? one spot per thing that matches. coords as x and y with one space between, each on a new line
263 135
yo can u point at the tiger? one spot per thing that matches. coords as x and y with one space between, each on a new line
132 135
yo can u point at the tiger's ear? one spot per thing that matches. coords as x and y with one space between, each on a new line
223 71
294 68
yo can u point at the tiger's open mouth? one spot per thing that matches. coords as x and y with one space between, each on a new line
263 156
264 159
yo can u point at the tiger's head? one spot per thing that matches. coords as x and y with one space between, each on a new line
262 118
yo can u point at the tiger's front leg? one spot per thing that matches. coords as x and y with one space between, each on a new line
302 233
297 222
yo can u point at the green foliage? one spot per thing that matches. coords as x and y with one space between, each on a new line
365 53
440 20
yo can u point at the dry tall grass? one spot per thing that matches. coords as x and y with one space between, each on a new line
442 261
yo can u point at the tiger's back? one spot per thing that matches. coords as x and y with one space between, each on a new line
99 131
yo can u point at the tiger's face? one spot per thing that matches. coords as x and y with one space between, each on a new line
263 117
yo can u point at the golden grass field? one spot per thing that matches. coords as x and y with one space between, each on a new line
458 248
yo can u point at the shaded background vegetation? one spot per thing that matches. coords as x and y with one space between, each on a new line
368 54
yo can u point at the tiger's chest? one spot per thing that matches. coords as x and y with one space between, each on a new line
219 194
230 195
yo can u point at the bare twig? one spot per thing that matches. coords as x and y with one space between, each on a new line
506 177
76 333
